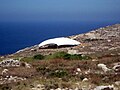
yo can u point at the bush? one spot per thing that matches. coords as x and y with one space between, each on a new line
79 57
51 72
66 56
57 55
38 56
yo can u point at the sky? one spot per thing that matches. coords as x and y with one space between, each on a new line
59 10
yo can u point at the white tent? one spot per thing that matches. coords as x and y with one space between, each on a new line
59 42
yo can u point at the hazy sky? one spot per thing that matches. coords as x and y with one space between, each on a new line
59 10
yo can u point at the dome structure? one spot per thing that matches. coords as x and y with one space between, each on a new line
61 41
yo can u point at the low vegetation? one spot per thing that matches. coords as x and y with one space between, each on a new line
38 56
27 59
57 55
66 56
61 70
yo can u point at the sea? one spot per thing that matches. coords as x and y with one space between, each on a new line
19 35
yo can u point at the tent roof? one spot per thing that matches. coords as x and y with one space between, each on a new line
59 41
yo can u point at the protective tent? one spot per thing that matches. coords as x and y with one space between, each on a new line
62 41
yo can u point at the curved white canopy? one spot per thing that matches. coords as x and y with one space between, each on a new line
60 41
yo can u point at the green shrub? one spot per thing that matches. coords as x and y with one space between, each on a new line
38 56
66 56
79 57
57 55
75 57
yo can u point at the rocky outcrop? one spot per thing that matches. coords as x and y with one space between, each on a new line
103 67
10 63
110 87
10 79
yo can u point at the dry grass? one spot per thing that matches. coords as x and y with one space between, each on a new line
44 71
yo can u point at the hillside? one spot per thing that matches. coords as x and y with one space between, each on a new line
93 65
105 39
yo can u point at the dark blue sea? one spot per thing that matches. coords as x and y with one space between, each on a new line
18 35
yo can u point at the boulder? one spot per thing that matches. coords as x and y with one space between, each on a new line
103 67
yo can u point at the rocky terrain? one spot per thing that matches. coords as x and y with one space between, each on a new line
93 65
